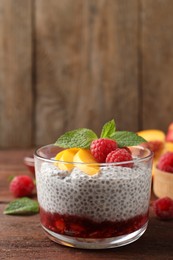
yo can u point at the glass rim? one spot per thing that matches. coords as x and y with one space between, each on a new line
52 160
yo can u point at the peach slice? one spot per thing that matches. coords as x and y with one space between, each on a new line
152 135
84 156
58 156
66 156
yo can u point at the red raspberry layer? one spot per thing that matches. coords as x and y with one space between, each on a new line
83 227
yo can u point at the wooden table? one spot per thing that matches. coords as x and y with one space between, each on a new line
21 237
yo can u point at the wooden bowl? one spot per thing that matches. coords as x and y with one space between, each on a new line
162 183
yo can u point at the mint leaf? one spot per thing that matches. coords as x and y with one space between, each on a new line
10 178
124 138
108 129
80 138
23 206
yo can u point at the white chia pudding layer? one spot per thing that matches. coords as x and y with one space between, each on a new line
114 194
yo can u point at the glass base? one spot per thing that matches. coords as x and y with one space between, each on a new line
90 243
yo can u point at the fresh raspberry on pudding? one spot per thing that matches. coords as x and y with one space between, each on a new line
101 147
120 155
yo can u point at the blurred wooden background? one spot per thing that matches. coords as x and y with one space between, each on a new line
69 64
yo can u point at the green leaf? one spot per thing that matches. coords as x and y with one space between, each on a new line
10 178
124 138
80 138
23 206
108 129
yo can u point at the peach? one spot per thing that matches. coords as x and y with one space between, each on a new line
86 161
155 140
152 135
66 156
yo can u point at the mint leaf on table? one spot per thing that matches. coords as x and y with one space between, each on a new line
22 206
125 138
80 138
108 129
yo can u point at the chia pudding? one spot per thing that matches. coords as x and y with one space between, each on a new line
113 202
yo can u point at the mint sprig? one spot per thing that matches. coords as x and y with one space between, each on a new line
83 137
23 206
108 129
125 138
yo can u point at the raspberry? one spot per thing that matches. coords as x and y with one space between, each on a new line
101 147
21 186
127 149
60 225
120 155
165 162
163 208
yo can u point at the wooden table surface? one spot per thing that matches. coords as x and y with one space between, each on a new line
21 237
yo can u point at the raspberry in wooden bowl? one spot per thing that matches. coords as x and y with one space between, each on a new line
90 204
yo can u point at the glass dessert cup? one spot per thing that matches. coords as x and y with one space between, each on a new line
93 206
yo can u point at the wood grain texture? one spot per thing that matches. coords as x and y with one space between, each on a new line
86 66
23 238
69 64
157 63
15 73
